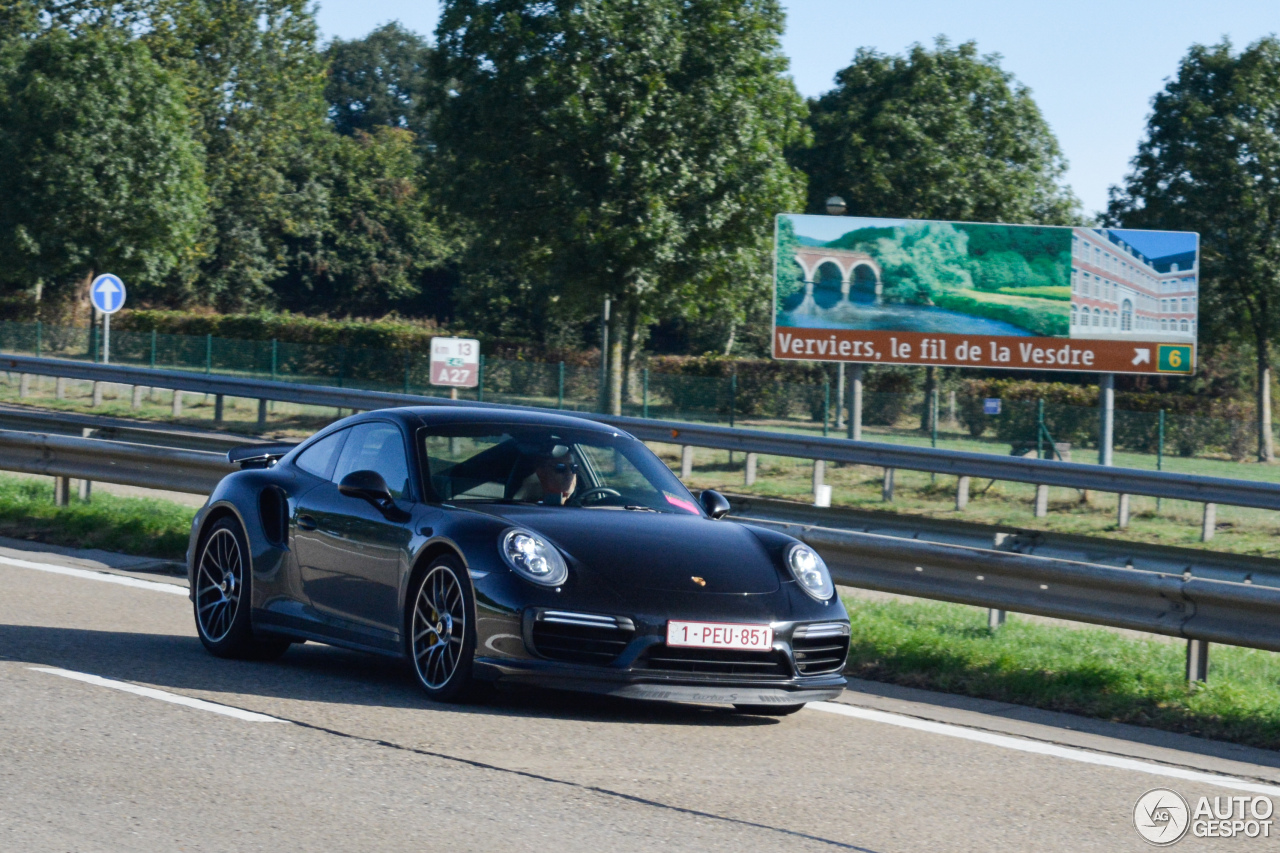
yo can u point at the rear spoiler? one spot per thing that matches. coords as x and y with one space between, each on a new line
258 455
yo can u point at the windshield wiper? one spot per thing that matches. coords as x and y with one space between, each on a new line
638 508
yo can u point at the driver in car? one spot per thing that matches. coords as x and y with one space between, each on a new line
557 475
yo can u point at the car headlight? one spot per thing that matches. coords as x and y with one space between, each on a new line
533 557
810 572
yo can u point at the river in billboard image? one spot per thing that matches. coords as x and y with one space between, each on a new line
916 276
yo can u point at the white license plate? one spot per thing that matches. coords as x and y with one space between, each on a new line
720 635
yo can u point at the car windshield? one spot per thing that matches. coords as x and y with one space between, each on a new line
518 463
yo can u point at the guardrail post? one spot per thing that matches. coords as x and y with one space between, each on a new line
1107 411
819 474
1122 512
855 402
840 395
686 461
962 493
97 393
262 413
752 459
886 490
60 388
86 490
1042 501
995 618
217 408
24 385
177 403
61 491
1197 660
1210 522
136 402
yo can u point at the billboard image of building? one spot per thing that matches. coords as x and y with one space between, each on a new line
927 292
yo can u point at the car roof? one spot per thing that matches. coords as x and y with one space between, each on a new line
414 416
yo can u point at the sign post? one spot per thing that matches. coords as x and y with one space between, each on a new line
455 363
107 295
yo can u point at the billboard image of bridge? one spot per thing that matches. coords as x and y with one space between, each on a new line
974 294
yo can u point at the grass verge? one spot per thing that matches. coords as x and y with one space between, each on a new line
1088 671
145 527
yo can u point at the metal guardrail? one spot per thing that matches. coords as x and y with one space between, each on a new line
149 467
119 429
1176 592
1043 472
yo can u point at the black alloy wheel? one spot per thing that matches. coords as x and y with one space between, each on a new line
442 634
222 601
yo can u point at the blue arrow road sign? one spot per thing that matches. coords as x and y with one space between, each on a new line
107 293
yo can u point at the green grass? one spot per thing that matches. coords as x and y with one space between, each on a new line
145 527
1087 671
1056 292
1044 317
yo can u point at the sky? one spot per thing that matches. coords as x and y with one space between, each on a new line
1092 66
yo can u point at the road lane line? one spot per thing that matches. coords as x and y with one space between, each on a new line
152 693
1042 748
86 574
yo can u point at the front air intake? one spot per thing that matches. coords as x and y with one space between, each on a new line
820 647
581 637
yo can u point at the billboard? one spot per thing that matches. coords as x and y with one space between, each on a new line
961 294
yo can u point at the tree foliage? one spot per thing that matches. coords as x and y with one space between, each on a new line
380 233
936 134
631 150
101 170
381 80
255 83
1210 163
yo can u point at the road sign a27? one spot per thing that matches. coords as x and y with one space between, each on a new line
1174 358
455 362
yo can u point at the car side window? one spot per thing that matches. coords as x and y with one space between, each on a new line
318 459
376 447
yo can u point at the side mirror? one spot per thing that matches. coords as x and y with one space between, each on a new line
713 503
367 485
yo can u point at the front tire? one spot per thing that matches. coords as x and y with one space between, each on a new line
441 639
768 710
224 579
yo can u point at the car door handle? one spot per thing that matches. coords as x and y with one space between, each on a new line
306 522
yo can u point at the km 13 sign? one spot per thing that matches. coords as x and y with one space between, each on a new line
901 291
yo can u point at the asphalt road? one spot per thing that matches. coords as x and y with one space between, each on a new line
357 759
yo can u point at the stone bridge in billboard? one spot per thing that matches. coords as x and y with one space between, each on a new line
857 272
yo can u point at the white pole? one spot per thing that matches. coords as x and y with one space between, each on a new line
106 338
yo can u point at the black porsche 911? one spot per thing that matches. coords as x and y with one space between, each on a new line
499 545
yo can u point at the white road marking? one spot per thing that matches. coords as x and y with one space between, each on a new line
95 576
1041 748
152 693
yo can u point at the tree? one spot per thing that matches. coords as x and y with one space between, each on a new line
937 134
255 83
625 150
1210 162
101 170
380 234
381 80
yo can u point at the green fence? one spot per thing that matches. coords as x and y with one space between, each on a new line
1143 439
